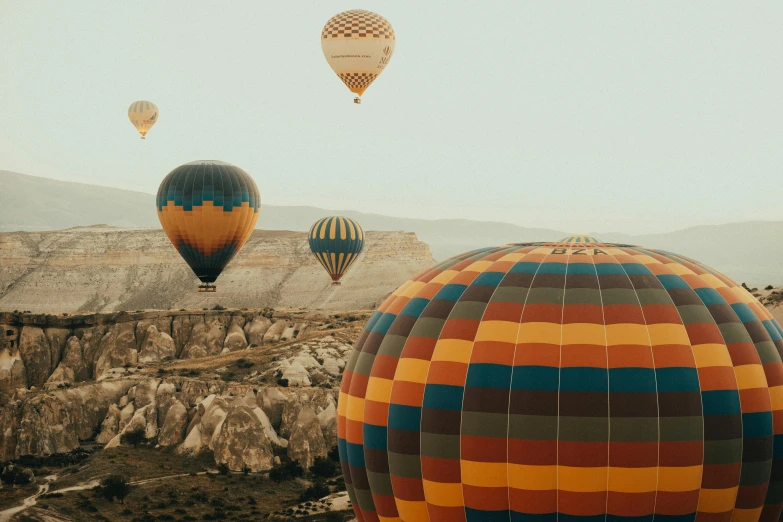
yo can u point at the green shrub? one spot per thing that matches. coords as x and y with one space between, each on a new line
318 490
114 486
287 471
334 454
324 467
15 475
134 438
244 363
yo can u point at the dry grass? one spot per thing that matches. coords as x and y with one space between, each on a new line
13 495
169 487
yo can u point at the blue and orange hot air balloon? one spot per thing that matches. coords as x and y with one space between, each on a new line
208 209
336 242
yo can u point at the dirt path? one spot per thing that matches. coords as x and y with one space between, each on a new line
7 514
167 477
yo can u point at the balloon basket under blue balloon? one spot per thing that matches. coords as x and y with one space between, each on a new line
206 287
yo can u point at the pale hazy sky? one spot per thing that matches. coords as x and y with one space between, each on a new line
590 116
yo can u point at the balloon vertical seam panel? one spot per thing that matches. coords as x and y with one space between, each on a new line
572 379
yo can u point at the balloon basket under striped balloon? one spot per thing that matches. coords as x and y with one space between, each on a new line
336 283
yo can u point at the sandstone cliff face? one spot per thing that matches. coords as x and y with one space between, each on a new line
47 423
230 405
103 269
52 351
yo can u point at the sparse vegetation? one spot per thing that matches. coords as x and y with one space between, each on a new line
15 475
114 486
168 498
334 454
218 307
318 490
286 471
324 467
134 438
768 287
244 363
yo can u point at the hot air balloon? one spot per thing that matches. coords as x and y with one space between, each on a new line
572 380
143 115
208 210
336 242
358 45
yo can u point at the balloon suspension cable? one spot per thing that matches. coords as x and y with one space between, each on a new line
357 101
207 287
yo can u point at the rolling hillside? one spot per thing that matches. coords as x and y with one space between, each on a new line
745 251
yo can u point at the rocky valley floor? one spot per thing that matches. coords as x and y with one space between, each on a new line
209 415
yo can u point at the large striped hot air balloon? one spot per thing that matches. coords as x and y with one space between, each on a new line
208 210
336 242
573 380
143 115
358 45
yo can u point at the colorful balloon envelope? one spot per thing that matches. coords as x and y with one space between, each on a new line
358 45
208 210
571 380
143 115
336 242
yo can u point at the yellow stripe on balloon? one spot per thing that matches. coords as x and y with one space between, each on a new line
322 232
317 227
342 228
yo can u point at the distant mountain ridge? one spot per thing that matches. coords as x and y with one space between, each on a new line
745 251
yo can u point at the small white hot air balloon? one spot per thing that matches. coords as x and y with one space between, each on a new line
143 115
358 45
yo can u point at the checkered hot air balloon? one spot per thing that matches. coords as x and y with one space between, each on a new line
143 115
208 209
573 380
336 242
358 45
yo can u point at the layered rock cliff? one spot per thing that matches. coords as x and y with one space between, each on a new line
48 351
106 269
245 385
